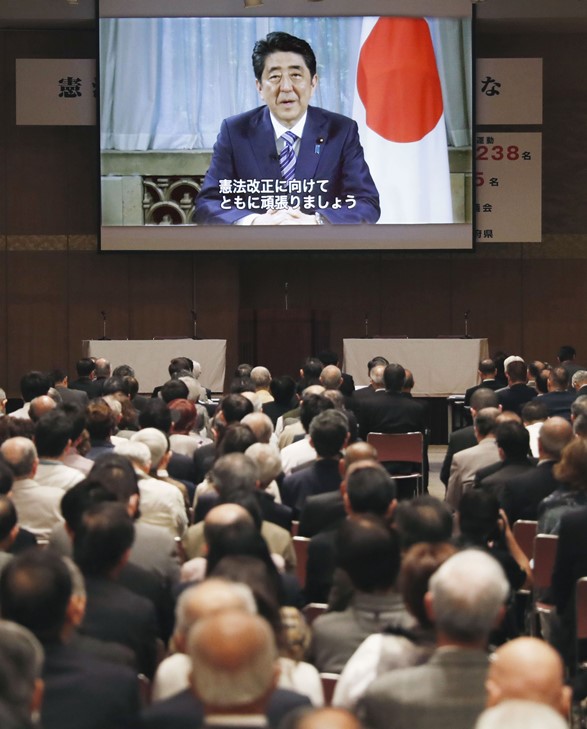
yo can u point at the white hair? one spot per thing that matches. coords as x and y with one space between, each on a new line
155 441
518 714
113 404
468 591
242 593
267 459
194 388
579 378
136 452
230 687
261 376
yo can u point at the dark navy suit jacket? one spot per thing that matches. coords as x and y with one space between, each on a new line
329 150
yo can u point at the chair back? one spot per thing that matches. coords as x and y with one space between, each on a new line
301 545
581 608
545 546
398 446
329 681
525 533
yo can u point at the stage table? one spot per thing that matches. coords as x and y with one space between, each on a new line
441 367
150 358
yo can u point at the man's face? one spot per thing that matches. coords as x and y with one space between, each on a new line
286 86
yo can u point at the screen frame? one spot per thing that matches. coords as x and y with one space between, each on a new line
409 237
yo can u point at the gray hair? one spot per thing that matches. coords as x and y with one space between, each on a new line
485 420
261 377
579 406
234 471
195 390
260 424
21 664
580 426
468 591
156 442
184 618
579 379
518 714
20 454
267 459
376 374
224 686
330 377
197 371
136 452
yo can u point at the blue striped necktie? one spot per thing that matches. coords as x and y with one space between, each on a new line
287 156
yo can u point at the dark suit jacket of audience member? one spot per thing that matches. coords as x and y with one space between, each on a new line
571 559
559 403
458 441
117 614
489 384
71 395
204 458
319 477
92 388
321 512
82 692
184 710
148 585
279 514
515 397
390 413
523 493
322 562
493 478
182 468
24 540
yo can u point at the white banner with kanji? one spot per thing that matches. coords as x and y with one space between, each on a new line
55 91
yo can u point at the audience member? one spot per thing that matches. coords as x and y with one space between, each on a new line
517 393
486 374
513 445
571 472
447 691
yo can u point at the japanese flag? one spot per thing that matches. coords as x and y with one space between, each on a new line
398 107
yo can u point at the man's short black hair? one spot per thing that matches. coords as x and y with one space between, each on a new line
566 352
100 419
534 410
155 414
283 389
52 433
328 357
378 360
329 431
34 384
112 385
369 552
123 371
104 534
80 497
560 378
116 474
394 376
370 490
423 519
236 439
174 390
279 41
8 517
76 415
487 366
6 477
35 589
484 398
517 371
180 364
85 366
513 439
311 406
234 407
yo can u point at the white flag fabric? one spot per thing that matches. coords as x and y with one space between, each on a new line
398 107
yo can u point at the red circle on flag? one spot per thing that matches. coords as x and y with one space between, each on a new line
397 80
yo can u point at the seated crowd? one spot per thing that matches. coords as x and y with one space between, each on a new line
174 561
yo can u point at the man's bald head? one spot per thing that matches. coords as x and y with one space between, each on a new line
327 716
207 599
227 515
331 377
360 451
554 435
261 426
20 455
234 662
41 405
529 669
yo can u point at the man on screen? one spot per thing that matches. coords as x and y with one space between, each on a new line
287 163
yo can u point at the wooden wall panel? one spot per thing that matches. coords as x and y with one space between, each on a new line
36 312
216 301
160 295
492 290
96 283
554 308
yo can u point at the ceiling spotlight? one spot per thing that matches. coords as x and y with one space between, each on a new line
253 3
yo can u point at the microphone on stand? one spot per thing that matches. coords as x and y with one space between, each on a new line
103 337
367 325
195 323
285 293
467 313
